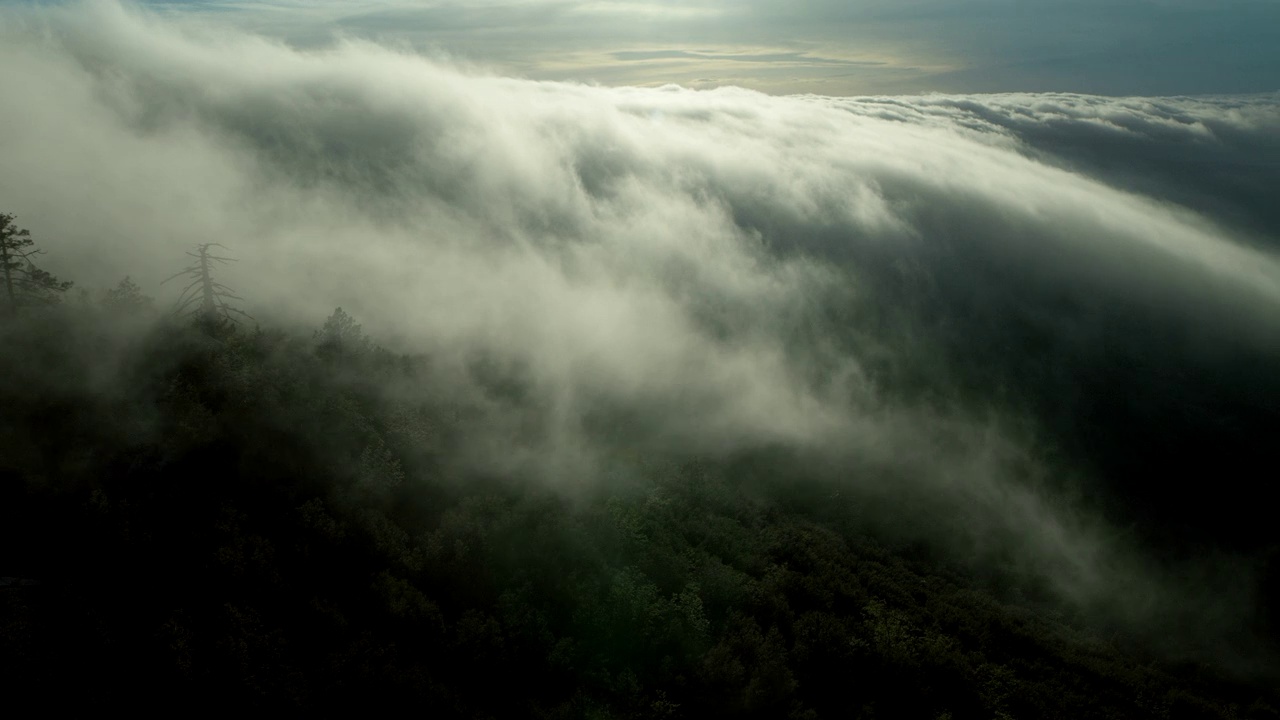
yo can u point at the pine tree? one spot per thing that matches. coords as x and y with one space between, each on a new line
24 283
341 336
127 297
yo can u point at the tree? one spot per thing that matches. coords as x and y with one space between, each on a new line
24 283
204 298
341 335
126 297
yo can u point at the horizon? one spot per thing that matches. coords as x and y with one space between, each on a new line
865 47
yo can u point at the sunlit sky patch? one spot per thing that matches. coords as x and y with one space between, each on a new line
833 47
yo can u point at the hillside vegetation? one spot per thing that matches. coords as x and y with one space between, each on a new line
195 515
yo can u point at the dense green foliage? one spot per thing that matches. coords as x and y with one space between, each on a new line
221 517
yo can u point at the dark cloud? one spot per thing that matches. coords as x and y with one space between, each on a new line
968 307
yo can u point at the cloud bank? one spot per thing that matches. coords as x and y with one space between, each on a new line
835 47
957 305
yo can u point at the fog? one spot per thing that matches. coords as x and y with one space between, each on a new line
930 300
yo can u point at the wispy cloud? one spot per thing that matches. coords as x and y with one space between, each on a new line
785 57
1117 47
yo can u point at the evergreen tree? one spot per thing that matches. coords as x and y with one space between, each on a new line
24 283
127 297
341 336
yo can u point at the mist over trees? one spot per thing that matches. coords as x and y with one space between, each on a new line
635 401
24 283
203 297
266 518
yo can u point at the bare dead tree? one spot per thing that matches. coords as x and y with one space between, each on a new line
205 298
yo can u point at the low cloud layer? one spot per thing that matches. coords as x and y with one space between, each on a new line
834 47
957 302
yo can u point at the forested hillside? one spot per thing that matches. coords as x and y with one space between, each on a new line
196 514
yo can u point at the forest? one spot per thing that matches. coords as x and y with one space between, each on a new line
198 511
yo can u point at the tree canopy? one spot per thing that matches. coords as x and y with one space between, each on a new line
24 282
280 520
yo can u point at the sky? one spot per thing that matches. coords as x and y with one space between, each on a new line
977 308
827 47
